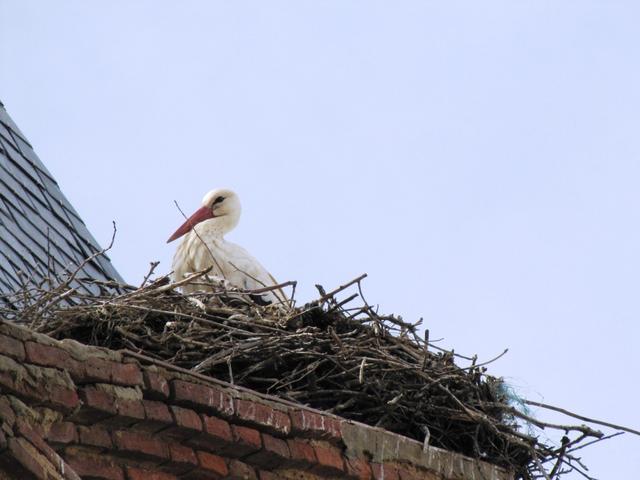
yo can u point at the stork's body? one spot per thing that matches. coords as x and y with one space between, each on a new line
204 246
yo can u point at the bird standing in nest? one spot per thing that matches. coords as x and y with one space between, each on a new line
204 247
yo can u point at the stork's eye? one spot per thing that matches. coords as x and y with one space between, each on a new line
218 200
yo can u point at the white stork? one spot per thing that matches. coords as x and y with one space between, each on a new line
204 246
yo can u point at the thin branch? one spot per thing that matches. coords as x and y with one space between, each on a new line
582 417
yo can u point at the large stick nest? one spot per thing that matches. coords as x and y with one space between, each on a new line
350 361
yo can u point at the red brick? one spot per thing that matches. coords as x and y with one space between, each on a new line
180 453
183 459
216 427
62 433
127 374
263 415
94 467
240 470
98 399
140 445
156 385
301 452
314 425
358 468
212 463
329 458
9 384
275 445
157 416
62 398
11 347
384 471
187 423
97 405
95 436
274 453
35 438
216 435
138 474
9 464
186 418
96 370
25 429
6 412
411 473
26 455
130 409
68 472
46 355
23 381
246 441
77 370
202 397
157 411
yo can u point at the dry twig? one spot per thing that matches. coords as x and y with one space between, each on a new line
373 368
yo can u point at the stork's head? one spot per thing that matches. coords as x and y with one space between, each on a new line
220 204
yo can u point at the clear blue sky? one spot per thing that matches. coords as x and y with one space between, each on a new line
479 160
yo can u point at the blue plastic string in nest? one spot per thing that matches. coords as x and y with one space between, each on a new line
507 393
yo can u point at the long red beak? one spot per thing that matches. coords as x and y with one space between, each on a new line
203 213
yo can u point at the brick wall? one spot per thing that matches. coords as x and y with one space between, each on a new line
69 411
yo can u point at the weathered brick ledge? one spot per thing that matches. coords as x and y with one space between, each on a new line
72 411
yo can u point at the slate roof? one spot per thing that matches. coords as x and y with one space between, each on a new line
40 232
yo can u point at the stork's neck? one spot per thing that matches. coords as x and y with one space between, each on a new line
219 226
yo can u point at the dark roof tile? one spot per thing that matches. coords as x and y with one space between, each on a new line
39 229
